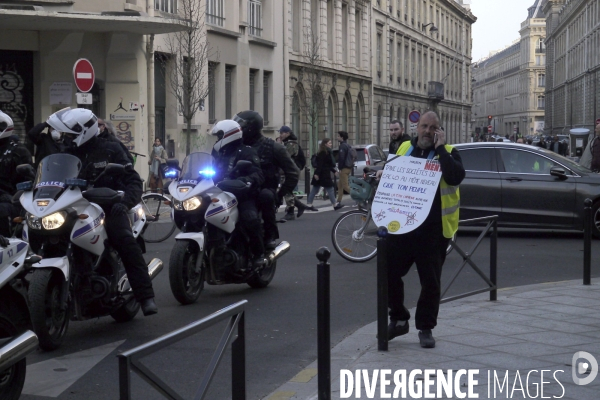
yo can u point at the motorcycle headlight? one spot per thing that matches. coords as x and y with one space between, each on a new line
54 221
177 205
34 222
192 204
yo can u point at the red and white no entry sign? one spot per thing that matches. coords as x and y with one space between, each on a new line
83 73
490 128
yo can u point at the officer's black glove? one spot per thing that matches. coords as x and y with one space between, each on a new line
4 241
119 209
5 198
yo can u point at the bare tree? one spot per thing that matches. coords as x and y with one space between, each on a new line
190 50
316 84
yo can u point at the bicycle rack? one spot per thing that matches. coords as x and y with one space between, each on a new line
491 281
131 360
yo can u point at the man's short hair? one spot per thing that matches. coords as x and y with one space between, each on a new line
395 121
343 134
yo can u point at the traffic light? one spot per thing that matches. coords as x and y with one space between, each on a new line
490 118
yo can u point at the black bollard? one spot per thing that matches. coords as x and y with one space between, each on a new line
382 289
587 241
307 180
323 327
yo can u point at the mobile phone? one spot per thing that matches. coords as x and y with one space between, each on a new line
435 138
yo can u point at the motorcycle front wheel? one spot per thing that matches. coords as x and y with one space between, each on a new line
186 271
12 379
263 277
49 322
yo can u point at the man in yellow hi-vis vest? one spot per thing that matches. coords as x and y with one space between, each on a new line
426 245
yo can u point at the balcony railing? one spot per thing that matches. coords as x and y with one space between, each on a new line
540 51
215 19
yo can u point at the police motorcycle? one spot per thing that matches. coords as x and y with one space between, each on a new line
80 276
16 341
210 247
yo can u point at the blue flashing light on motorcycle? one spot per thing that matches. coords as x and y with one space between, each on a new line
171 173
207 173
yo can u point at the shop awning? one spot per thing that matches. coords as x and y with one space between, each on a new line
125 22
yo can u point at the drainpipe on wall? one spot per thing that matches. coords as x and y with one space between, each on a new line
286 66
150 79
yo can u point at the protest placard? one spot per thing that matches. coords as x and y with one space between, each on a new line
405 193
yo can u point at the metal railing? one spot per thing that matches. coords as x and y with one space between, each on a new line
131 360
491 281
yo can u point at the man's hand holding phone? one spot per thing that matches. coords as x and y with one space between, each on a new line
439 138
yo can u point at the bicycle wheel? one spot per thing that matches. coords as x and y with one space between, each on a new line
354 236
159 224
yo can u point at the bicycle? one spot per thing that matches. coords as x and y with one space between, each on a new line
354 234
159 221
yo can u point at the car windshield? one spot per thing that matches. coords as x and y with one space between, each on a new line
52 173
568 162
196 167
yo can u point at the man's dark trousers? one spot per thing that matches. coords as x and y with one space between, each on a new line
427 249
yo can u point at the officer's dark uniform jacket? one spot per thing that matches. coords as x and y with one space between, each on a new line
12 154
273 156
45 145
109 137
227 158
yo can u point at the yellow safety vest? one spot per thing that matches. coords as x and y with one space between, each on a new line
450 197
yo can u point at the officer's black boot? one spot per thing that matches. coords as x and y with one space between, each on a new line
289 214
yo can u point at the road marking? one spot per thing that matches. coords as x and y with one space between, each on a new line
282 396
305 375
52 377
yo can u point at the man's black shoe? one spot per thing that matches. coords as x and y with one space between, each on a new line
149 306
426 339
258 262
270 244
396 328
338 206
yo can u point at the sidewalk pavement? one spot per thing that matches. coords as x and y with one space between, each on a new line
528 329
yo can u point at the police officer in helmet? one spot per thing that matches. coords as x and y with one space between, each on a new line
273 156
227 152
12 154
79 128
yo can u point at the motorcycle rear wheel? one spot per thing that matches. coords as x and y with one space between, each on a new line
127 311
263 277
12 379
186 272
49 322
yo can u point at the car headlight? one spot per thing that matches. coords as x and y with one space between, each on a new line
34 222
177 205
192 204
54 221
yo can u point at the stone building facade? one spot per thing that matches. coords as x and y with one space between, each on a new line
413 44
573 64
509 85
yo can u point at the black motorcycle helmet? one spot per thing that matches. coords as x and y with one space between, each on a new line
251 123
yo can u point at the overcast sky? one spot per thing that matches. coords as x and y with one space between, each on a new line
498 24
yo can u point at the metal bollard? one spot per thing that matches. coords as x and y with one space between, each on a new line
382 289
494 260
307 180
323 325
587 241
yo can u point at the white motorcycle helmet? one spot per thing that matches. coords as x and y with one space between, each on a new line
6 125
228 131
78 121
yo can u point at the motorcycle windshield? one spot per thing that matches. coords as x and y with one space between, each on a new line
195 168
52 173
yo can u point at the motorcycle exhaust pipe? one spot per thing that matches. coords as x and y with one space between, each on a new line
154 267
280 250
16 349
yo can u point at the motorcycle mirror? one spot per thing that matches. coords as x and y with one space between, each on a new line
173 163
26 171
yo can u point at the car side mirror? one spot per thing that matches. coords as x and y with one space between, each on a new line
558 172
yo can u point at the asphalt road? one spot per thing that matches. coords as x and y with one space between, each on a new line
281 330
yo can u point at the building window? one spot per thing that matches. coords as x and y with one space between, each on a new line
228 91
540 46
344 116
255 17
379 55
379 124
252 89
214 12
541 100
390 57
357 123
344 33
297 24
211 93
169 6
330 30
266 95
358 33
542 80
330 116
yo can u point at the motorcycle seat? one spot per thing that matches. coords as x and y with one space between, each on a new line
103 196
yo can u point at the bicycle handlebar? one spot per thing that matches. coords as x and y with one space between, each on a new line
137 154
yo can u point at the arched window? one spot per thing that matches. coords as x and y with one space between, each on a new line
357 122
379 124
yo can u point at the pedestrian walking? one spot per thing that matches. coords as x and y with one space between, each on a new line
156 158
426 245
290 141
345 166
556 146
322 178
542 142
591 155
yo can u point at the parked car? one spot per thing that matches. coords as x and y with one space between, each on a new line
526 186
366 155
